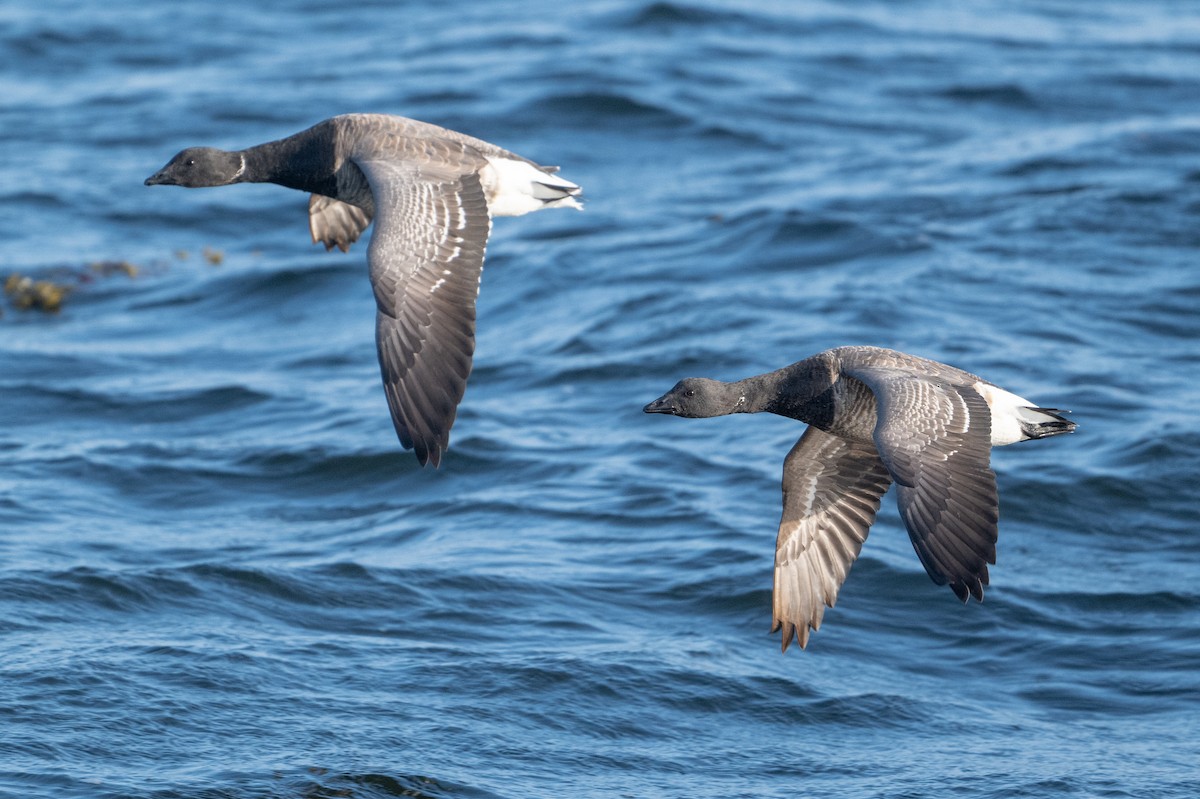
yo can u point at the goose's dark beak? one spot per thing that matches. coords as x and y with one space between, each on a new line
660 405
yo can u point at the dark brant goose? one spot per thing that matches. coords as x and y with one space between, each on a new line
876 416
432 193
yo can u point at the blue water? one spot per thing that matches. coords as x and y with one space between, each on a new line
220 576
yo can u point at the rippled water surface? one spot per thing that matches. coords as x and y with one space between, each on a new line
220 576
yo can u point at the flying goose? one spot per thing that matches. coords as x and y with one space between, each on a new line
432 193
876 416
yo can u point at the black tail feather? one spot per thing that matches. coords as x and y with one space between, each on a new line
1053 424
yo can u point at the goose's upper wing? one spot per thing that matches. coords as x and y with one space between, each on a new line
934 436
335 223
831 492
426 259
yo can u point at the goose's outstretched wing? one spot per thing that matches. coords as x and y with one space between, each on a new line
426 259
335 223
831 492
934 436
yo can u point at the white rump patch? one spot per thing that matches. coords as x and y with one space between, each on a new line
1007 411
514 188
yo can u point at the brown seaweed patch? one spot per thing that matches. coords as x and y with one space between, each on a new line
25 293
49 289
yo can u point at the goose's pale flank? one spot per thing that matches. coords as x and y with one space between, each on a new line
432 193
876 416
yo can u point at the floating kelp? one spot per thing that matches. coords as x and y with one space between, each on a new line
25 293
109 268
47 290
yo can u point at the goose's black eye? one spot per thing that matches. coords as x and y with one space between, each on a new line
190 162
689 393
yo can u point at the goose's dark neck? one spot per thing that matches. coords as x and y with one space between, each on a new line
803 390
304 161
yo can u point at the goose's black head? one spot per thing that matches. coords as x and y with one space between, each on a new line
197 167
697 397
